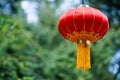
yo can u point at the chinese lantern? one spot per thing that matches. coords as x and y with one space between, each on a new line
83 25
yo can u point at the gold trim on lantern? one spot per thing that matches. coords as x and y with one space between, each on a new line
91 36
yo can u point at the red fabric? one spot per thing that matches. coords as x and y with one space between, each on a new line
83 19
68 20
77 21
62 28
89 19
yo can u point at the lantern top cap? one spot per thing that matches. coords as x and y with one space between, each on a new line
84 5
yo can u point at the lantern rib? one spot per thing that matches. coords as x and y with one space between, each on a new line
83 20
101 24
93 19
74 19
66 24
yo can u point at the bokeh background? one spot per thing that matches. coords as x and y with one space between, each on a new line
31 47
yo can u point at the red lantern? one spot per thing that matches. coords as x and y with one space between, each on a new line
83 25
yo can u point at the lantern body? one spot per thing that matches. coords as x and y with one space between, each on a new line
83 23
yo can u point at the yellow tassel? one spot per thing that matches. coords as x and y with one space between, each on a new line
83 54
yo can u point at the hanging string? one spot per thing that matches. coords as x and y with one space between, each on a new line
83 2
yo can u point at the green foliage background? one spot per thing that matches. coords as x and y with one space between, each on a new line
39 52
